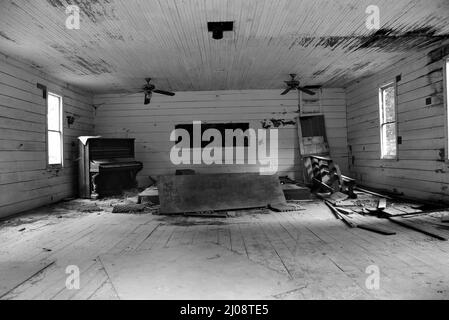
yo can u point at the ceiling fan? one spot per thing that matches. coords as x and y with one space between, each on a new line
149 88
294 84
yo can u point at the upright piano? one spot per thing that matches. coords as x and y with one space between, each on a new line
106 166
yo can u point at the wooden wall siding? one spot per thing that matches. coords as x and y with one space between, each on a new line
119 42
419 171
25 182
150 125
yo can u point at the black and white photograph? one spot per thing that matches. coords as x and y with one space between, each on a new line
240 152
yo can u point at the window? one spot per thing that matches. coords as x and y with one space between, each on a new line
388 134
54 129
447 108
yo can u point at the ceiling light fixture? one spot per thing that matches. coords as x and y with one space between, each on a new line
217 28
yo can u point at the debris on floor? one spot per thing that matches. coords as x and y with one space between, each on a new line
90 208
81 205
365 209
324 175
150 194
128 208
370 210
284 207
420 226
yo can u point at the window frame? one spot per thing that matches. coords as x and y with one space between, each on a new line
61 132
446 105
381 117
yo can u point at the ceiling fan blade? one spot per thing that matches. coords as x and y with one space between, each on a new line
306 91
285 91
167 93
313 87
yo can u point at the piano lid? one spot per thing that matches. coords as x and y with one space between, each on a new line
118 161
84 139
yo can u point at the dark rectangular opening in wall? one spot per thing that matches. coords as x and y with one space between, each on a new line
313 135
312 126
221 127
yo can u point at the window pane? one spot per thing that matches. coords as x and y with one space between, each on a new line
389 140
54 148
53 113
388 104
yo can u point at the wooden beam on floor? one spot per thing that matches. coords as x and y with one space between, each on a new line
420 228
341 216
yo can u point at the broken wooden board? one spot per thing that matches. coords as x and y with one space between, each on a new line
355 220
420 227
206 271
337 197
15 273
428 220
376 229
390 211
372 224
150 194
215 192
406 208
373 193
382 204
343 217
345 211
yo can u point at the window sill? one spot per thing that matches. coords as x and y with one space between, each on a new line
52 167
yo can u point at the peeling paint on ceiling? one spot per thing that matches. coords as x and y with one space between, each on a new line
119 43
95 10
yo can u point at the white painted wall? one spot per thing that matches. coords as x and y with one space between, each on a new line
419 171
25 181
126 116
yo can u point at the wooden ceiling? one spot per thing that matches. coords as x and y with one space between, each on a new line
119 43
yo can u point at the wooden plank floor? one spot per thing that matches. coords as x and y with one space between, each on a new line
328 259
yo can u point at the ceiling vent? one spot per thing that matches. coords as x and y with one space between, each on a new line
217 28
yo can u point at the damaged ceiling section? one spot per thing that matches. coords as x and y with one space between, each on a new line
120 43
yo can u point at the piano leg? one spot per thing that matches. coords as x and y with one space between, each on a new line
133 177
94 181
